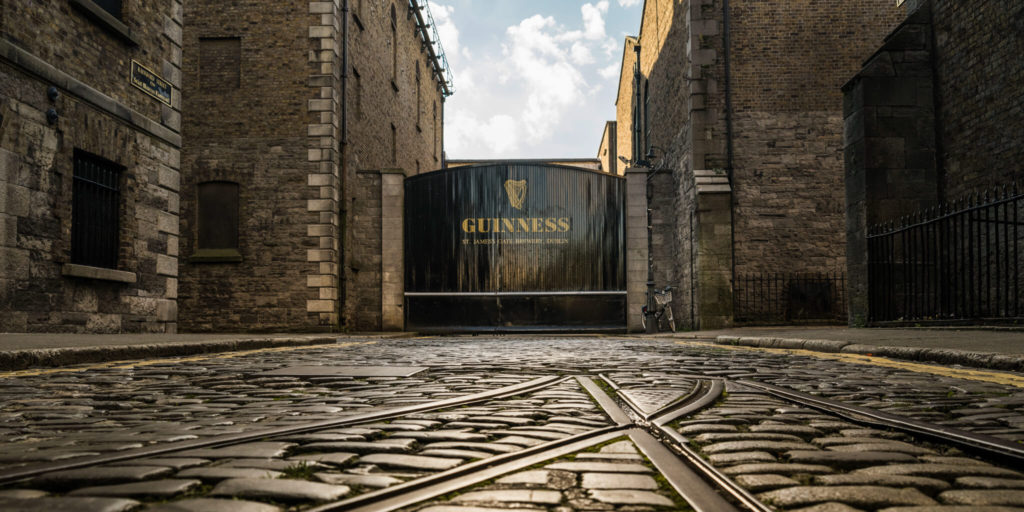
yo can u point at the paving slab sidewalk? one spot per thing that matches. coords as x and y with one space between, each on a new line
993 348
20 351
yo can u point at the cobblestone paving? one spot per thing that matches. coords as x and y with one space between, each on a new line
789 457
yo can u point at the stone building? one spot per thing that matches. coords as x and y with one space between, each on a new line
90 115
304 118
736 107
936 113
607 152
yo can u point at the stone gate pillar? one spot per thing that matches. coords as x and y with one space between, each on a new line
392 257
636 246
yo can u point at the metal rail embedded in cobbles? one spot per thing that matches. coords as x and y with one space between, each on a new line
553 424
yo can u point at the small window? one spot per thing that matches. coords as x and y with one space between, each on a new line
394 48
647 118
217 215
111 6
394 145
418 96
220 63
357 93
95 211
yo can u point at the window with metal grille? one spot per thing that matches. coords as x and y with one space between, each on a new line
111 6
218 215
95 211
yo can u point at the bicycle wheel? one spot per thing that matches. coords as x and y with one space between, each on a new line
643 320
671 319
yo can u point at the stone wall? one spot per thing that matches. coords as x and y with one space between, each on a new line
934 115
87 59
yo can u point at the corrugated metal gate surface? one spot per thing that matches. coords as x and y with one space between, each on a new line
514 246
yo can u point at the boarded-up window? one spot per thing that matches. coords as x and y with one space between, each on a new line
218 215
220 62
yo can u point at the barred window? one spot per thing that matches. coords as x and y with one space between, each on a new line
217 221
95 211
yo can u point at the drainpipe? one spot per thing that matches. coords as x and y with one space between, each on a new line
343 155
727 43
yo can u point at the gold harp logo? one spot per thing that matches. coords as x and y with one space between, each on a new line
516 190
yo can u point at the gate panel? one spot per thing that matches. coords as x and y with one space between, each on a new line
514 245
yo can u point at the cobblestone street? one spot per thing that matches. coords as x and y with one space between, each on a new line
480 424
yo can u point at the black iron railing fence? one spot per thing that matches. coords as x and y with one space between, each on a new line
957 261
771 298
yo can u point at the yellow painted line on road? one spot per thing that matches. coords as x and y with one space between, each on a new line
1002 378
150 362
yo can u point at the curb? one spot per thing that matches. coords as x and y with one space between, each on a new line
51 357
987 360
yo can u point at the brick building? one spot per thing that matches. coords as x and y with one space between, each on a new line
935 114
90 113
737 107
304 118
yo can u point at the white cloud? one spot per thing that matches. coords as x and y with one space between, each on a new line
629 3
580 54
446 29
467 136
593 20
611 71
530 93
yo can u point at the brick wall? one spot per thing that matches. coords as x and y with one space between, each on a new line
252 131
981 108
379 99
53 43
788 62
624 107
308 215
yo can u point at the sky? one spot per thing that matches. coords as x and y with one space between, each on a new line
532 78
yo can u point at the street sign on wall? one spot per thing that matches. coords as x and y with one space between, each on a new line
514 245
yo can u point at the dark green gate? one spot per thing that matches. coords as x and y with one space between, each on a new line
514 246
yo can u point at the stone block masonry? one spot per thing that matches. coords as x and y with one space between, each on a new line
98 114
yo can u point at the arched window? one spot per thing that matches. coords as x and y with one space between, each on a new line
394 47
419 109
647 117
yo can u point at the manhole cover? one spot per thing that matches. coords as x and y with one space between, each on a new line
345 371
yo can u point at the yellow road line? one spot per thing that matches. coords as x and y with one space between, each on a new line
1006 379
150 362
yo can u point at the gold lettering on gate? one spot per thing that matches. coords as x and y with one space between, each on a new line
516 190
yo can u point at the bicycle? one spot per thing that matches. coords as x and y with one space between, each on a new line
662 310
